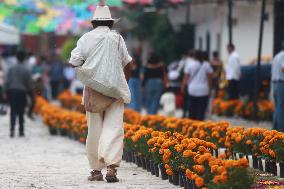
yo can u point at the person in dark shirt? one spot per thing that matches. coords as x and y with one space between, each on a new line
55 75
18 86
153 83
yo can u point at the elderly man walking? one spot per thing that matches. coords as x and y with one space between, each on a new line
103 66
278 89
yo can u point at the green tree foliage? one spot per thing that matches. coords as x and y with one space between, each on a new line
157 29
68 46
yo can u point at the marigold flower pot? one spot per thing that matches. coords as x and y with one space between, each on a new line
170 179
260 164
143 162
254 162
181 179
164 175
281 166
148 167
267 166
273 167
138 161
131 157
189 184
175 178
152 167
63 132
52 131
157 170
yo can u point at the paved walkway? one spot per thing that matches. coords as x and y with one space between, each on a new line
42 161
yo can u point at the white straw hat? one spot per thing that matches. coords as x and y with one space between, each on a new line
102 13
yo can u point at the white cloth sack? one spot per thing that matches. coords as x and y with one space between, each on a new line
103 70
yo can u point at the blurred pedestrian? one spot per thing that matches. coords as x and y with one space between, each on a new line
198 79
55 75
278 89
69 76
135 83
18 86
187 60
2 94
174 76
168 102
105 50
154 77
233 72
217 66
31 61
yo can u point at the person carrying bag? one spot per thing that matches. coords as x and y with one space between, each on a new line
102 65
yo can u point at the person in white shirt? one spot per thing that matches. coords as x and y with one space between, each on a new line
233 72
198 79
105 129
278 89
168 102
69 76
187 60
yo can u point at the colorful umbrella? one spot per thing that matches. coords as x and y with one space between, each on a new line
33 16
150 2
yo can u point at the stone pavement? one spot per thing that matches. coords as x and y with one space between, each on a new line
45 162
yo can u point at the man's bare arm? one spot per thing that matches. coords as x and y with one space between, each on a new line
128 69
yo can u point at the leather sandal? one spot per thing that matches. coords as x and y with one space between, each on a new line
96 176
111 174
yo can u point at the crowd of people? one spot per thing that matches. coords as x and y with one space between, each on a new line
23 75
188 83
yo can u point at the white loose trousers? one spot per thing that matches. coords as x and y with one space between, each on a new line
105 136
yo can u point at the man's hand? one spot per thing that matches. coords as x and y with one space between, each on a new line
128 70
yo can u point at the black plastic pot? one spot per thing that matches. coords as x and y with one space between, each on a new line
254 162
164 175
273 167
148 167
152 167
260 165
52 131
267 166
281 165
216 152
123 156
138 161
185 186
142 159
70 135
181 179
63 132
175 178
156 168
76 137
189 184
130 158
170 179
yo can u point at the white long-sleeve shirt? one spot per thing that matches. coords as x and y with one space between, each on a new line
104 49
277 67
233 68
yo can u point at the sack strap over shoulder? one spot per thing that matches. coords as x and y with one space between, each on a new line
196 73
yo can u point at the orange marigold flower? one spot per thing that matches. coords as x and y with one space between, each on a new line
199 181
199 168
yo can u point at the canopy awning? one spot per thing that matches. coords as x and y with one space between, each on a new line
9 35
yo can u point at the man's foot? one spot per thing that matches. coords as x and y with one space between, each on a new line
96 176
22 135
111 174
12 135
